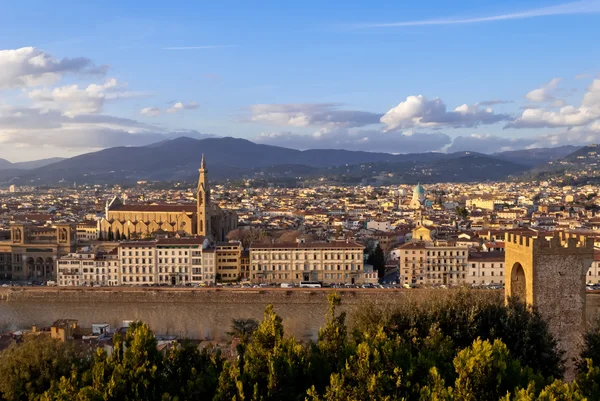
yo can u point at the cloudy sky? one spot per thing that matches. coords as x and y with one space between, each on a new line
392 76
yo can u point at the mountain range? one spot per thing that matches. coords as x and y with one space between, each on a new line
233 158
6 165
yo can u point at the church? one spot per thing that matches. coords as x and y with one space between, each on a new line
419 201
142 221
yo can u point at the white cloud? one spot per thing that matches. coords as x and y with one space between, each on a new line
577 7
356 139
28 67
150 111
182 106
37 128
484 143
75 101
198 47
568 116
542 94
582 76
418 111
311 114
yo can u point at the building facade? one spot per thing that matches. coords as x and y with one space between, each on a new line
123 221
229 261
329 263
32 251
433 263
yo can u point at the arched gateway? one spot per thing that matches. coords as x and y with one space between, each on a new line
549 274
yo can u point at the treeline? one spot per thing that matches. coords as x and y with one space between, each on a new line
463 347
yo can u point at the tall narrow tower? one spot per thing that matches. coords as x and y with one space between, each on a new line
203 201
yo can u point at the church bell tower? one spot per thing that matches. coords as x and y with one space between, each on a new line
203 201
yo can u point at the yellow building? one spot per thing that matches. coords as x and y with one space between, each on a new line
433 263
32 251
141 221
229 259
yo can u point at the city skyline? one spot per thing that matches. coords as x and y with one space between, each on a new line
388 77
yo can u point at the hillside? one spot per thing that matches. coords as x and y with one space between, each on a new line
534 157
234 158
580 166
6 165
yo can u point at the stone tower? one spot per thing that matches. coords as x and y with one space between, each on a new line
203 201
549 274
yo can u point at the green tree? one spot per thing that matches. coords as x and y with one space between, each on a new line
486 372
274 367
190 374
462 212
28 369
243 329
591 347
377 260
374 372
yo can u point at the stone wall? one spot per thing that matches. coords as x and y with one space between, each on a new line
198 313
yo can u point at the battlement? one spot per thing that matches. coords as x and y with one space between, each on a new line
560 242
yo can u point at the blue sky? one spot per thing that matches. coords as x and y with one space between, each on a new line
379 76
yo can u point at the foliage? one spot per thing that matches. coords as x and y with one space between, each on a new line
377 259
460 347
462 212
243 329
29 368
464 317
248 236
591 347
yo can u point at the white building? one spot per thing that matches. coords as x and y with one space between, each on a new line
70 269
177 257
379 225
327 262
486 268
138 262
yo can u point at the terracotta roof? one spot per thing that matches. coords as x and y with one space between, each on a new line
182 207
486 257
199 240
413 245
311 245
136 244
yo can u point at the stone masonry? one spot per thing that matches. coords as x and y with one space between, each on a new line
549 274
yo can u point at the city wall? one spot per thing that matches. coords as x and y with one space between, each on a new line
195 313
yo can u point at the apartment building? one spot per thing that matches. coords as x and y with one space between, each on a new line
107 267
485 268
138 262
245 266
176 259
75 269
593 273
209 266
87 231
331 262
438 262
229 258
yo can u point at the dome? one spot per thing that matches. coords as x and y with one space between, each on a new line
418 189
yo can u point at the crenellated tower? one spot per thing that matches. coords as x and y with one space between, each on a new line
549 274
203 201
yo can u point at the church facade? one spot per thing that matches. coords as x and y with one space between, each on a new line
142 221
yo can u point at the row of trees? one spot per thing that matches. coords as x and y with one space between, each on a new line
459 348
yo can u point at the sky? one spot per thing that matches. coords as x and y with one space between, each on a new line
384 76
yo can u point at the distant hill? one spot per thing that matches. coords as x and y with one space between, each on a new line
5 164
534 157
580 166
233 158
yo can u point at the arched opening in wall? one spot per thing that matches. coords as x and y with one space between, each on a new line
518 287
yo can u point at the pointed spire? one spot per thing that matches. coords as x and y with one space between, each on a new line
202 163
